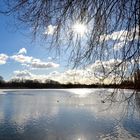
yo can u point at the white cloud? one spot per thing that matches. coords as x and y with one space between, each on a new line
108 69
121 35
119 45
25 74
102 68
37 63
3 59
92 74
22 58
49 58
22 74
50 30
32 62
44 65
22 51
72 76
110 64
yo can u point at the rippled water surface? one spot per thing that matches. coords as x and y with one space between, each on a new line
69 114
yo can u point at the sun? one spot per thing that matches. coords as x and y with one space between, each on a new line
79 28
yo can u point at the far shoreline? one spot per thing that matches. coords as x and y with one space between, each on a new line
39 88
50 84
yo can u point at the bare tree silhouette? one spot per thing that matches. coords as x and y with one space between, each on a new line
113 30
1 79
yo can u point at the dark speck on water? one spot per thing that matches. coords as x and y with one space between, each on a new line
102 101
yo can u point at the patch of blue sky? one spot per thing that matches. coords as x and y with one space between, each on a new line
12 40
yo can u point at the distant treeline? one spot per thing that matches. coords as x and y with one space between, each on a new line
54 84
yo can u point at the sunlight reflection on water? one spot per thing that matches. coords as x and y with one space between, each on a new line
70 114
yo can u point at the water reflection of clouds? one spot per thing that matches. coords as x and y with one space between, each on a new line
119 133
92 101
1 111
27 108
81 92
1 116
32 107
62 112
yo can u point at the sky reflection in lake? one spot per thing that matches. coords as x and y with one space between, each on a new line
70 114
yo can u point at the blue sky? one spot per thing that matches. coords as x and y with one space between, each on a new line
12 40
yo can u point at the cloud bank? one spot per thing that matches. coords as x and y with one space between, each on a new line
92 74
3 59
32 62
22 51
50 30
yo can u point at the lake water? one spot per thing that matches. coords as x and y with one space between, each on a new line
69 114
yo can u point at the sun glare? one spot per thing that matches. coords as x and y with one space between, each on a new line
79 28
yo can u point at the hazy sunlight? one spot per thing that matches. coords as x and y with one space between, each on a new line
79 28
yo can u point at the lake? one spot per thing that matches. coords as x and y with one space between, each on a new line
69 114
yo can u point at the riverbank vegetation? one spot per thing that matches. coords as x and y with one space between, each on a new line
16 83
